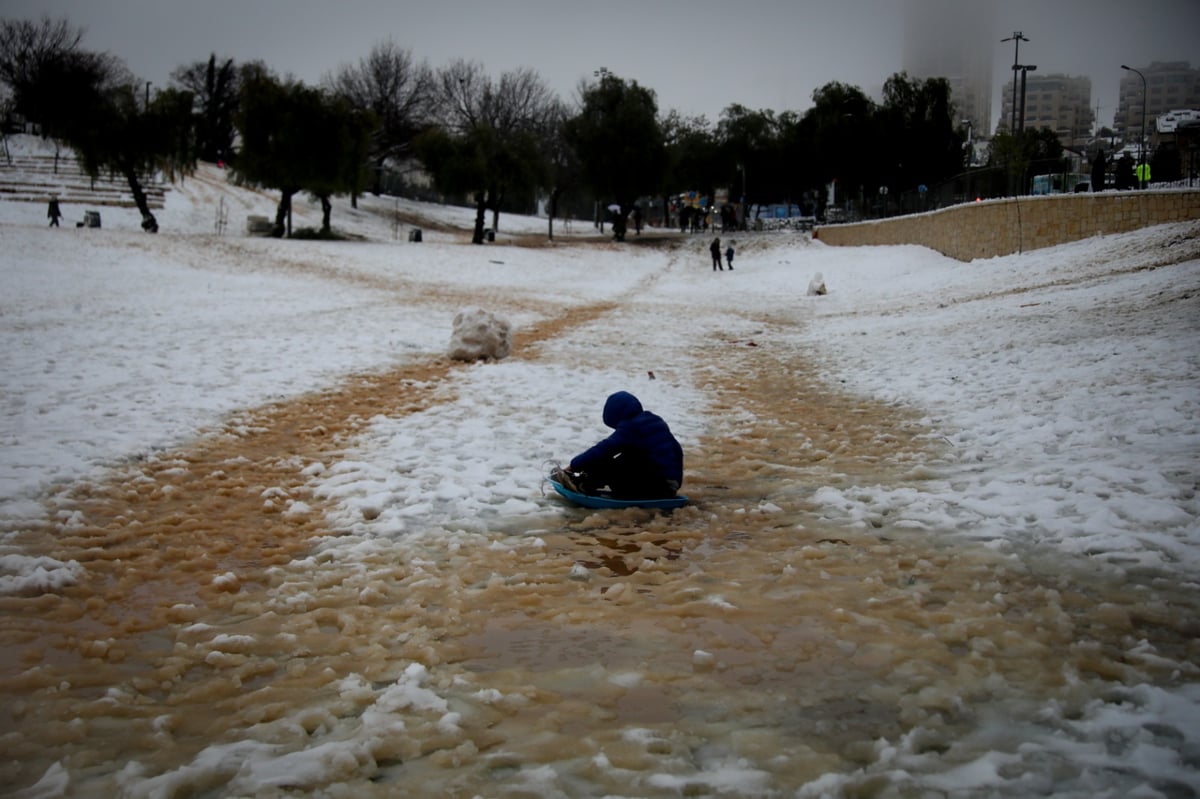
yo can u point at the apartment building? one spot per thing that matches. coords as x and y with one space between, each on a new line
1170 86
1059 102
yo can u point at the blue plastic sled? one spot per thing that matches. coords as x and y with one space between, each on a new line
592 501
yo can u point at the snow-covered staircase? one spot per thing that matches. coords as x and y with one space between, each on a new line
36 176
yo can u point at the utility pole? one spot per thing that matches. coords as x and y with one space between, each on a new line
1016 39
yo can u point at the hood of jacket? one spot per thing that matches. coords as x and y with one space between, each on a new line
620 407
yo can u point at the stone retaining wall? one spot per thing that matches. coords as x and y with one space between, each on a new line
1015 224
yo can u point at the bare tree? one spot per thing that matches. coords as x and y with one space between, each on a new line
394 88
524 102
30 54
26 46
462 93
512 115
520 101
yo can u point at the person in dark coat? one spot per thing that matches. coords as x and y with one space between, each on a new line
640 460
1124 173
729 256
53 213
715 249
1098 170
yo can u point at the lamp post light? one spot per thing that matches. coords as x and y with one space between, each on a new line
1142 140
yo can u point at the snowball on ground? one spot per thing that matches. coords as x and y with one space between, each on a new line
479 335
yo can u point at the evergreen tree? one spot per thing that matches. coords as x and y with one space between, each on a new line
917 131
620 144
214 85
124 136
750 145
293 138
837 132
91 102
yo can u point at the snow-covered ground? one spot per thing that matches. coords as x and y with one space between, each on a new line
1056 403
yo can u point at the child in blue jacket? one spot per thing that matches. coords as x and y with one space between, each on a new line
640 460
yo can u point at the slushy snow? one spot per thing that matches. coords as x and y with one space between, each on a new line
1062 384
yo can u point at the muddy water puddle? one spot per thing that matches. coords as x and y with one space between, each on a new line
745 645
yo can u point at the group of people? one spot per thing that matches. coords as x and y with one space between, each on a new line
699 219
715 249
1126 175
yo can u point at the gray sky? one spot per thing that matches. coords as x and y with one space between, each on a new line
699 56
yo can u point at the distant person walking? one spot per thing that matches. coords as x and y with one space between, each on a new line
1098 170
729 255
715 249
53 213
1143 175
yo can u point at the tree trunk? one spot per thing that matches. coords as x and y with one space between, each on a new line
552 210
326 212
149 223
480 210
377 181
283 214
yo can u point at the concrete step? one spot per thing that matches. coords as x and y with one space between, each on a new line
34 178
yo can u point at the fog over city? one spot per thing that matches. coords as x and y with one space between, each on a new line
699 58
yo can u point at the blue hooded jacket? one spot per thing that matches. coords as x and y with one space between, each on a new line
635 430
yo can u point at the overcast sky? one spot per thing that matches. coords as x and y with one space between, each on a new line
699 56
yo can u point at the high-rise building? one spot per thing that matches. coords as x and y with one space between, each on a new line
1170 86
1059 102
952 39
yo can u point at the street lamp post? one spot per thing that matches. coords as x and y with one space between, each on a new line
1142 139
742 168
1025 68
1016 39
598 222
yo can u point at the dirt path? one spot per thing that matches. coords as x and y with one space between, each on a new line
152 534
234 504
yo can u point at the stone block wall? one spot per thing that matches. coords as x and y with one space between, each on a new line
1015 224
